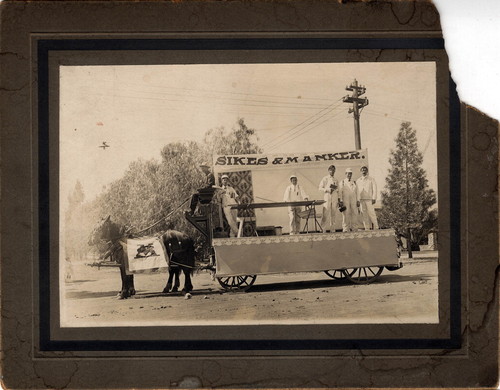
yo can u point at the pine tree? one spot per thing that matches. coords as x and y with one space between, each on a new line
75 234
407 199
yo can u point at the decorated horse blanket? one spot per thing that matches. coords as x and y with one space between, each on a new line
144 254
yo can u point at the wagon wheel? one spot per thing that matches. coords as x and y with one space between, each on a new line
336 274
363 275
237 283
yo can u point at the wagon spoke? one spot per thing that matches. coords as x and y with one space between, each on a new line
363 275
237 283
336 274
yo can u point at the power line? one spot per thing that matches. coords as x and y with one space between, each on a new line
306 130
329 108
302 104
200 101
218 91
298 133
385 115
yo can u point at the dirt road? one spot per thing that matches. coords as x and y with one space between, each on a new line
406 295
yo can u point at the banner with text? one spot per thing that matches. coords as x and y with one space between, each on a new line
231 163
270 175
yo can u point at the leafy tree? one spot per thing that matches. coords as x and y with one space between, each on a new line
407 199
240 140
132 199
152 190
181 177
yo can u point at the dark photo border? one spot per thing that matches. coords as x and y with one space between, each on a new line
46 279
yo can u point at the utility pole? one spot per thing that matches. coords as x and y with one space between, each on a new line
357 105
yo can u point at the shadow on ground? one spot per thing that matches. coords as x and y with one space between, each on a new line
90 294
209 291
309 284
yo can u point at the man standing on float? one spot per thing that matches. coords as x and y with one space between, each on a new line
329 187
349 198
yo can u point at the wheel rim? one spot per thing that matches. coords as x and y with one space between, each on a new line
336 274
362 275
237 283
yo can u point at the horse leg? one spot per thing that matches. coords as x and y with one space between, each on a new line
131 287
124 293
177 280
188 286
168 287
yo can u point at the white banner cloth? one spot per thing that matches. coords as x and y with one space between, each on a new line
143 254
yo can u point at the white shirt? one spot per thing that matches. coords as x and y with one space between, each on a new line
228 196
294 193
347 188
367 188
326 182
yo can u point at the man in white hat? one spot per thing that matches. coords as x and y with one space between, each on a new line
229 198
209 177
348 196
367 196
329 187
294 193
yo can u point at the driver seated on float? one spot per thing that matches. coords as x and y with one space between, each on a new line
210 183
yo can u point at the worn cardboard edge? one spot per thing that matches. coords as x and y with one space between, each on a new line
21 369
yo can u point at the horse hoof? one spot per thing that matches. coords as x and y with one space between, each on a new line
123 295
132 292
175 289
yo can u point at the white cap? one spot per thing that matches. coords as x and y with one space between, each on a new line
224 176
348 170
292 176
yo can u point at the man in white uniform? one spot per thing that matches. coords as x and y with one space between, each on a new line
329 187
229 198
294 193
348 195
367 195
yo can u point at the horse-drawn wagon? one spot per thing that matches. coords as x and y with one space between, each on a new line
356 256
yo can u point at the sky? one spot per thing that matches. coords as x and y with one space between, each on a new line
293 107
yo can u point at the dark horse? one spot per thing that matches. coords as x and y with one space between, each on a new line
107 236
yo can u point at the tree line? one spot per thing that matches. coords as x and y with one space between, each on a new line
151 190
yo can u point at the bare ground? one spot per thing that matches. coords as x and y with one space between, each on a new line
408 295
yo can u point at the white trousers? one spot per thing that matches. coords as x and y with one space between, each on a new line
293 213
350 215
329 210
231 220
368 214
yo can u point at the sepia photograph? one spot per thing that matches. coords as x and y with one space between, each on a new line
247 194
